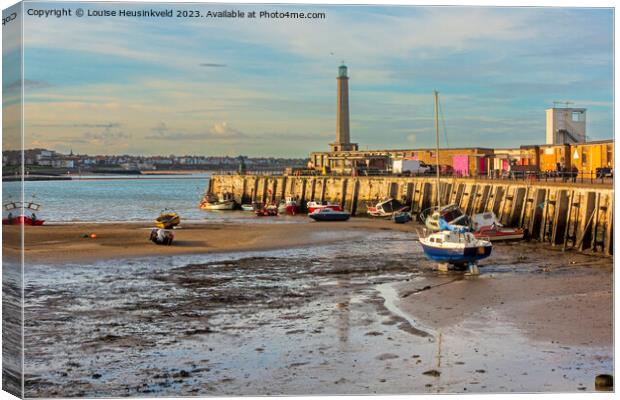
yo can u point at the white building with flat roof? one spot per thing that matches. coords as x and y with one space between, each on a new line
566 125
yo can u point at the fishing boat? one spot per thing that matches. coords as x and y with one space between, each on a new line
451 214
453 247
329 214
224 201
486 225
386 208
401 217
288 206
21 213
268 210
315 205
167 219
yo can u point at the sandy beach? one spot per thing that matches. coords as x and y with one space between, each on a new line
261 308
64 242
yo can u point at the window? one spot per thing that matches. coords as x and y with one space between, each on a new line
577 116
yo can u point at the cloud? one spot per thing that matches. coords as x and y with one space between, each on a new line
105 125
213 65
27 83
219 131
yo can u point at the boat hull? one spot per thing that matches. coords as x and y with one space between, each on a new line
456 255
289 209
500 235
327 217
401 218
22 220
313 206
496 235
217 206
267 212
167 221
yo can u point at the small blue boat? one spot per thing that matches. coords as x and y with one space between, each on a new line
455 247
401 217
327 214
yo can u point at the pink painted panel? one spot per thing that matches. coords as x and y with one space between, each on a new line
460 165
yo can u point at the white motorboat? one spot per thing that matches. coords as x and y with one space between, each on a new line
224 201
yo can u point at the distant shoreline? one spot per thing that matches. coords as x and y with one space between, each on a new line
110 176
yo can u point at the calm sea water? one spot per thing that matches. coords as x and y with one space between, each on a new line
105 199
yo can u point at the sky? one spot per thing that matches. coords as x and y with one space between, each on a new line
267 87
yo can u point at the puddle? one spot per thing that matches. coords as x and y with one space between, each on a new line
390 295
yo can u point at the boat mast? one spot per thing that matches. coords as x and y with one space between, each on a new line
437 146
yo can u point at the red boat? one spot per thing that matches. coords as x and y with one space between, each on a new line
495 233
267 211
288 206
21 213
314 205
487 226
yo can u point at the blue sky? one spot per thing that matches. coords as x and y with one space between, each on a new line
268 87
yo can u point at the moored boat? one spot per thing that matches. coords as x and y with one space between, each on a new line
315 205
401 217
451 214
328 214
212 202
455 248
449 240
269 210
386 208
288 206
247 207
167 219
486 225
161 236
21 213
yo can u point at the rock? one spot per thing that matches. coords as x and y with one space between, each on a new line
96 376
432 372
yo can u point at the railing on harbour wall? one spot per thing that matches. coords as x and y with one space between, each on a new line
567 214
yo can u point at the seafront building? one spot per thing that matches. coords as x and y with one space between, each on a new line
565 149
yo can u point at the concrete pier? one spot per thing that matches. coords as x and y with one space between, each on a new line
565 215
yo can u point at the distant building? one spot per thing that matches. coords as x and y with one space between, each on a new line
566 125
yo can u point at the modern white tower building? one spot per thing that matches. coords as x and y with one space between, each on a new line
566 125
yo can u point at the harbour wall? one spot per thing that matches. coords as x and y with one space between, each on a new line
565 215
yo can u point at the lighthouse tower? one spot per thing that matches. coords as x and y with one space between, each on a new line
343 136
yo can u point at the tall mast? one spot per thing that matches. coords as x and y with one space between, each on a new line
437 146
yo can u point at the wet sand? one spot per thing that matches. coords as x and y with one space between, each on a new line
549 296
306 308
63 242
